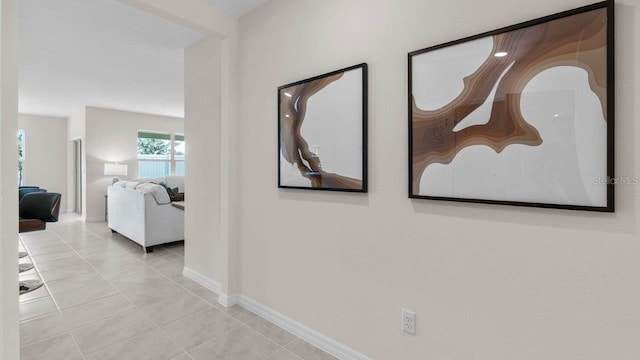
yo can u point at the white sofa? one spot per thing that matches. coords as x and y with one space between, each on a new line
142 211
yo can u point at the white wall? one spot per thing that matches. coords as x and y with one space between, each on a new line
202 129
9 314
487 282
111 136
211 112
45 162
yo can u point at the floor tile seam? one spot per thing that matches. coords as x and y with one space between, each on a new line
96 234
154 323
291 352
40 262
258 332
110 283
265 336
125 252
84 303
77 345
238 327
193 293
23 345
104 239
295 337
62 278
51 293
177 283
39 315
131 302
182 317
28 300
173 252
212 339
102 276
66 332
64 266
270 354
143 313
72 328
72 249
183 353
32 300
104 319
52 247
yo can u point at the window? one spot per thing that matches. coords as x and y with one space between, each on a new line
160 154
20 155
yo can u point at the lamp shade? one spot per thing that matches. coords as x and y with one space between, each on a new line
115 169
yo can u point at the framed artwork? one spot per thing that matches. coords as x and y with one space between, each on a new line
322 129
517 116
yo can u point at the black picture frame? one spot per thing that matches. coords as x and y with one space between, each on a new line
434 140
332 109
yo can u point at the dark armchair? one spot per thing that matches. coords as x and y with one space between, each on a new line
37 209
24 190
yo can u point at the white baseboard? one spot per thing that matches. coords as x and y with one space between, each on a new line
311 336
228 301
203 280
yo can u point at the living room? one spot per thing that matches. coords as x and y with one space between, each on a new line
336 269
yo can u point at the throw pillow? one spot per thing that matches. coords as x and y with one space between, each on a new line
170 191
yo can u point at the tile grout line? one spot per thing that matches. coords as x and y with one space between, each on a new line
136 308
109 317
57 306
126 250
189 291
230 315
67 330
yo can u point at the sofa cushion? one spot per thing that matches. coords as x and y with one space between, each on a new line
120 183
131 185
150 180
158 192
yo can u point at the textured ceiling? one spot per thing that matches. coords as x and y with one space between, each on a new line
99 53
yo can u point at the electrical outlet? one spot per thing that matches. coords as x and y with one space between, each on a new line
409 321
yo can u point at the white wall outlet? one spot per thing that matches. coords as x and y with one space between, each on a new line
409 322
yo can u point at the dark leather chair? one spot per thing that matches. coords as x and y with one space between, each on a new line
24 190
36 210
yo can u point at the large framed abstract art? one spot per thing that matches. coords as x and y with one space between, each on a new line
518 116
322 129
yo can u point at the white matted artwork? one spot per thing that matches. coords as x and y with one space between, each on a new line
322 132
518 116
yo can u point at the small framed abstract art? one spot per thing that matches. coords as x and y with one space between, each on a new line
322 129
517 116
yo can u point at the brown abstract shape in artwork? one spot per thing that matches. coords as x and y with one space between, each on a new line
578 40
294 148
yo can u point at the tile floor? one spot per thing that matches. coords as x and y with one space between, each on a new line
104 298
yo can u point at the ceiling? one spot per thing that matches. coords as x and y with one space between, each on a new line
103 53
236 7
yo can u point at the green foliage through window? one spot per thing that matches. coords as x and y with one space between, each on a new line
20 155
147 146
160 154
